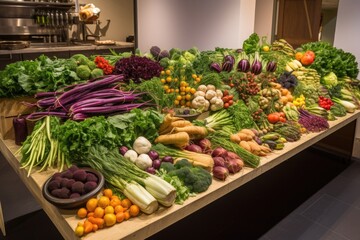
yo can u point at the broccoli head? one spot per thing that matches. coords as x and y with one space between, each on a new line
197 179
83 72
167 166
97 72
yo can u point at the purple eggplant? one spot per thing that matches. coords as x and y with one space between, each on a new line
227 66
256 66
243 65
215 66
229 58
271 66
20 129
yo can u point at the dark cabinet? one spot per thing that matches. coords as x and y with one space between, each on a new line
6 59
32 56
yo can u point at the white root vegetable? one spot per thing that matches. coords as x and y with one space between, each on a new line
131 155
142 145
143 161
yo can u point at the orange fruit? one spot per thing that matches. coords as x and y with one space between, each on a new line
91 204
108 192
99 212
126 203
115 202
110 219
298 55
109 209
82 213
127 215
134 210
119 208
103 201
120 216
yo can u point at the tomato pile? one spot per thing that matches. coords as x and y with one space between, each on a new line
325 102
104 65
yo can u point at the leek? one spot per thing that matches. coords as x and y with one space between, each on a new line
349 106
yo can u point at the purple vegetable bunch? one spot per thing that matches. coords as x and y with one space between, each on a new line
137 68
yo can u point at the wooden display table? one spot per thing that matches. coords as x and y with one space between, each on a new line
144 225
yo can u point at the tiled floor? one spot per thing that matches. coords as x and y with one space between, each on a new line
333 213
309 197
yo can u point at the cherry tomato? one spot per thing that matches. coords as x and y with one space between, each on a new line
231 102
226 105
225 99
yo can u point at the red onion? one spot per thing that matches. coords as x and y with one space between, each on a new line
156 163
205 144
153 154
167 159
232 165
220 172
123 150
151 170
219 161
194 148
219 152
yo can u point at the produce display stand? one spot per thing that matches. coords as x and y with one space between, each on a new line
144 225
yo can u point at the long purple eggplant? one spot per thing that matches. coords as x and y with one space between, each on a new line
256 66
215 66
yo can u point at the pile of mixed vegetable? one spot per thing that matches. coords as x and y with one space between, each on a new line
119 113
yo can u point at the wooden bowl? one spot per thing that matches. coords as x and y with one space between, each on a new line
68 203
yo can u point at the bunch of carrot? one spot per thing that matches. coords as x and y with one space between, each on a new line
178 131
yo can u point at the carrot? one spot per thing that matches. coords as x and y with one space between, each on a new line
195 132
166 122
180 139
255 147
248 132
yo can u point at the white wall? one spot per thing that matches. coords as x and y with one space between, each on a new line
347 33
205 24
264 18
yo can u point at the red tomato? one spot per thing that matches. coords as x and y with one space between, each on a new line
225 93
226 105
311 53
273 117
307 59
231 102
225 99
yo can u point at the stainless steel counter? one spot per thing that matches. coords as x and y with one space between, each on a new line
64 48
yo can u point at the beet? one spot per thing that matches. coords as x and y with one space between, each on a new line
64 182
53 184
75 195
73 168
91 177
64 193
89 186
58 174
56 192
67 174
69 183
78 187
80 175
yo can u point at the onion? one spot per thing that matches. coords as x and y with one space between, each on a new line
205 144
153 154
123 150
232 155
167 159
151 170
194 148
220 172
232 165
156 163
219 161
219 152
